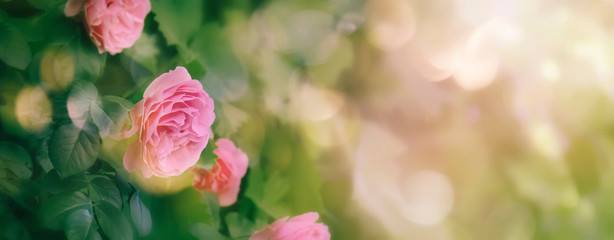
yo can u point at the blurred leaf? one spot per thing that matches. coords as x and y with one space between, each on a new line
13 229
112 115
55 210
14 159
82 96
73 150
90 63
122 183
47 4
78 224
214 207
112 222
174 16
14 49
226 77
582 158
145 52
54 184
42 155
140 215
239 226
106 190
206 232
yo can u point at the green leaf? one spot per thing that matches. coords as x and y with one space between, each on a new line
56 209
54 184
112 222
13 229
78 224
14 49
90 63
239 226
106 190
73 150
82 96
111 115
14 159
206 232
173 16
214 207
140 215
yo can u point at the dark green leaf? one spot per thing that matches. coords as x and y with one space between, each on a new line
14 49
14 159
13 229
111 115
140 215
78 224
173 16
106 190
73 150
46 4
112 222
54 184
56 209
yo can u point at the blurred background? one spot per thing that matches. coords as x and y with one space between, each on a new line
395 119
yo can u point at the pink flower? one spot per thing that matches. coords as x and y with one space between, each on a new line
172 123
115 24
302 227
225 177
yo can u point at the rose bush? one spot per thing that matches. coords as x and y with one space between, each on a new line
302 227
225 177
172 123
114 24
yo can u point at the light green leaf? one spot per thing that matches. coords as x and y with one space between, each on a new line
106 190
214 207
14 49
206 232
111 115
55 210
174 16
73 150
112 222
140 215
239 226
78 224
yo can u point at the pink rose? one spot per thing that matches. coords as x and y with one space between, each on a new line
225 177
115 24
172 123
302 227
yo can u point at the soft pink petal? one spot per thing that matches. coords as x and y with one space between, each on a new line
167 80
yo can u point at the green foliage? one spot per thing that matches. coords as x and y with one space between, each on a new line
55 210
14 49
112 115
179 20
112 222
103 189
73 150
79 224
140 215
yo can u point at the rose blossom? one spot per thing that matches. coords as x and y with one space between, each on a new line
115 24
302 227
172 123
225 177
